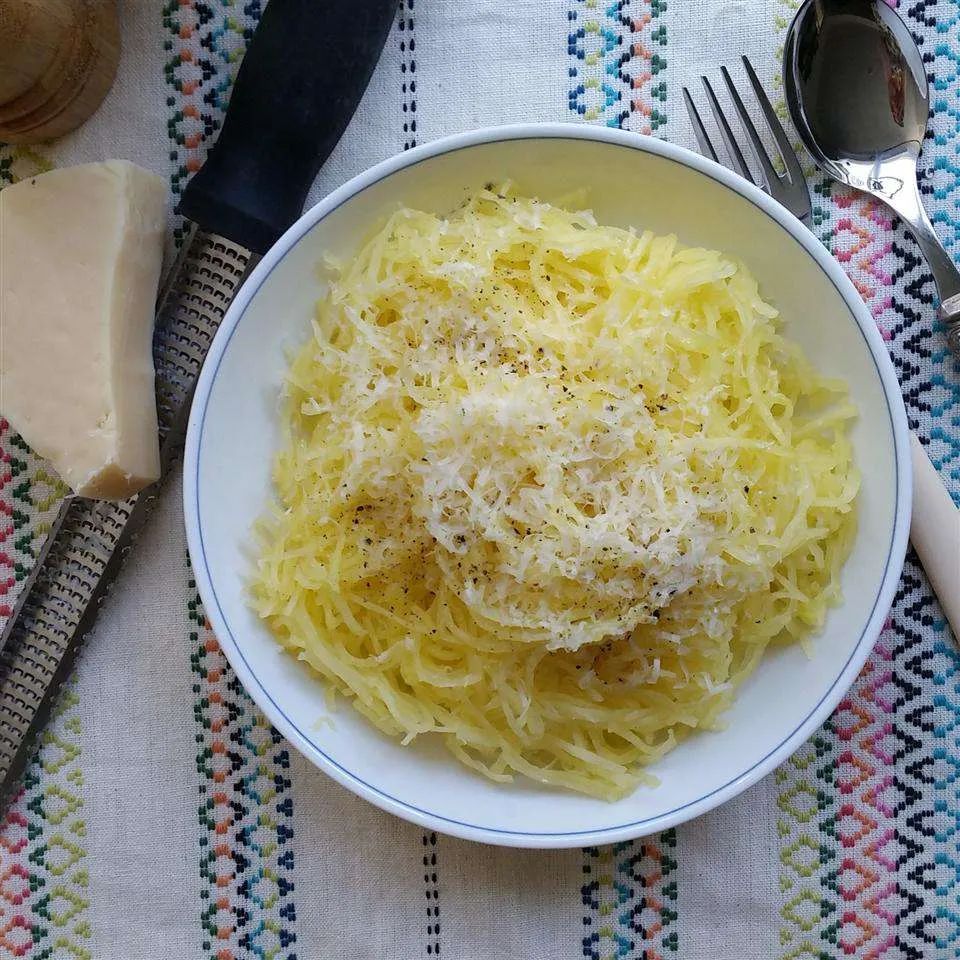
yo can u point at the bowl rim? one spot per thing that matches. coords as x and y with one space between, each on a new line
758 768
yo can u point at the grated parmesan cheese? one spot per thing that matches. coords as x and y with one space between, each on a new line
549 489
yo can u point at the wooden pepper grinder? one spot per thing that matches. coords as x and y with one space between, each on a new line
58 59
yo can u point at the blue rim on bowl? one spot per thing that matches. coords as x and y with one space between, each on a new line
303 739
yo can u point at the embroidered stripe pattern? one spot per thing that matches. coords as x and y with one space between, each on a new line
859 883
804 801
44 896
246 807
928 664
617 58
617 63
43 869
630 899
245 813
29 496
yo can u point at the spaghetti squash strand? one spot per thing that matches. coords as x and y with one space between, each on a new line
549 489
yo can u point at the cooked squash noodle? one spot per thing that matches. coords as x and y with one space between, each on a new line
549 489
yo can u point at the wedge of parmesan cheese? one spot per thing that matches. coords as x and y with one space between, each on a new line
80 257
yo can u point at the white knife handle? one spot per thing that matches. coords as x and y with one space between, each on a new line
935 534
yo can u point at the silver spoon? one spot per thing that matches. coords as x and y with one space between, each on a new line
856 89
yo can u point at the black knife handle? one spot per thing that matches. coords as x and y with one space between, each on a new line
299 83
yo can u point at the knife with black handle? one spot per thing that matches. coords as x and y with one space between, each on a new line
303 75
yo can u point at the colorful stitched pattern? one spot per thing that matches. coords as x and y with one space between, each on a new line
859 843
630 899
246 810
245 813
863 872
928 664
616 52
44 883
29 494
617 62
802 803
43 872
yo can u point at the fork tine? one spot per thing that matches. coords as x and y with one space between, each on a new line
699 130
787 153
769 172
729 141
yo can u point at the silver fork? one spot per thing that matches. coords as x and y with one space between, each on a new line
788 188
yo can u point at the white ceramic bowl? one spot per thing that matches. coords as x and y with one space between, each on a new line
627 180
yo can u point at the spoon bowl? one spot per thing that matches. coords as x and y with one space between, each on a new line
857 92
859 78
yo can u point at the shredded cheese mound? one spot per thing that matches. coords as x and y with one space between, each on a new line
549 489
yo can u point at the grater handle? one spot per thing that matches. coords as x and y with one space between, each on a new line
302 77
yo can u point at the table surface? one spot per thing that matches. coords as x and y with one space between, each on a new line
162 816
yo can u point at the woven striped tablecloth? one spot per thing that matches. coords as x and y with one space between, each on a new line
164 818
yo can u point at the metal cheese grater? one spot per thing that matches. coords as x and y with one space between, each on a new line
300 82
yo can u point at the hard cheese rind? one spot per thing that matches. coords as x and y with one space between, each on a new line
80 256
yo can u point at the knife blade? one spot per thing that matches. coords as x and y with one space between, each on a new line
305 70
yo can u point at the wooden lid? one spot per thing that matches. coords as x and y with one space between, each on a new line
58 60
